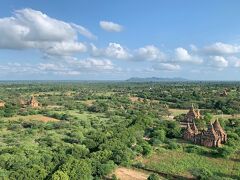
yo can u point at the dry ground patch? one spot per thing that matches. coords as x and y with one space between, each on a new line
138 99
37 117
88 102
129 174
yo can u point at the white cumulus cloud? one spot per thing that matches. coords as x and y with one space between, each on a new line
182 54
219 62
220 48
110 26
149 53
113 50
29 28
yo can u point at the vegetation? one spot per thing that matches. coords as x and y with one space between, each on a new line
86 130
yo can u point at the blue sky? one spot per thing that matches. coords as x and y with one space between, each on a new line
92 39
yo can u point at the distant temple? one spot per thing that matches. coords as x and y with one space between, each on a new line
33 102
21 102
214 136
2 104
191 116
224 93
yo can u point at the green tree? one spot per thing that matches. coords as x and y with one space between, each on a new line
59 175
77 169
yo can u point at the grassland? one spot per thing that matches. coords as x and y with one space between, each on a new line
182 163
176 112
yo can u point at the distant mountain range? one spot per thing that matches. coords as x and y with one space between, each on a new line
154 79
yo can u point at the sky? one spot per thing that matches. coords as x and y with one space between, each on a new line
117 40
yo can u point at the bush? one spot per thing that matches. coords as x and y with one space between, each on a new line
160 134
153 176
173 145
107 168
204 173
225 151
194 149
173 130
155 141
139 165
147 149
114 177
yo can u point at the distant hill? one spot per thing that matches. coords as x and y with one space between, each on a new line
154 79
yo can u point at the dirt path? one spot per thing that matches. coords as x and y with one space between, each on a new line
130 174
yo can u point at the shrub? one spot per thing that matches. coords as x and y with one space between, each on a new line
107 168
173 145
194 149
203 173
225 151
147 149
114 177
160 134
153 176
155 141
139 165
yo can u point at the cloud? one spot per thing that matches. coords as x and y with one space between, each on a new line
83 31
59 43
182 55
220 48
43 28
96 64
237 64
218 62
149 53
233 61
193 48
17 68
110 26
72 66
65 48
167 67
33 29
113 50
117 51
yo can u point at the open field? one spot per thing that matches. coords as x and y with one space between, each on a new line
33 117
176 112
226 116
182 163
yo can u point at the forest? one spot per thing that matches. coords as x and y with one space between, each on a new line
87 130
